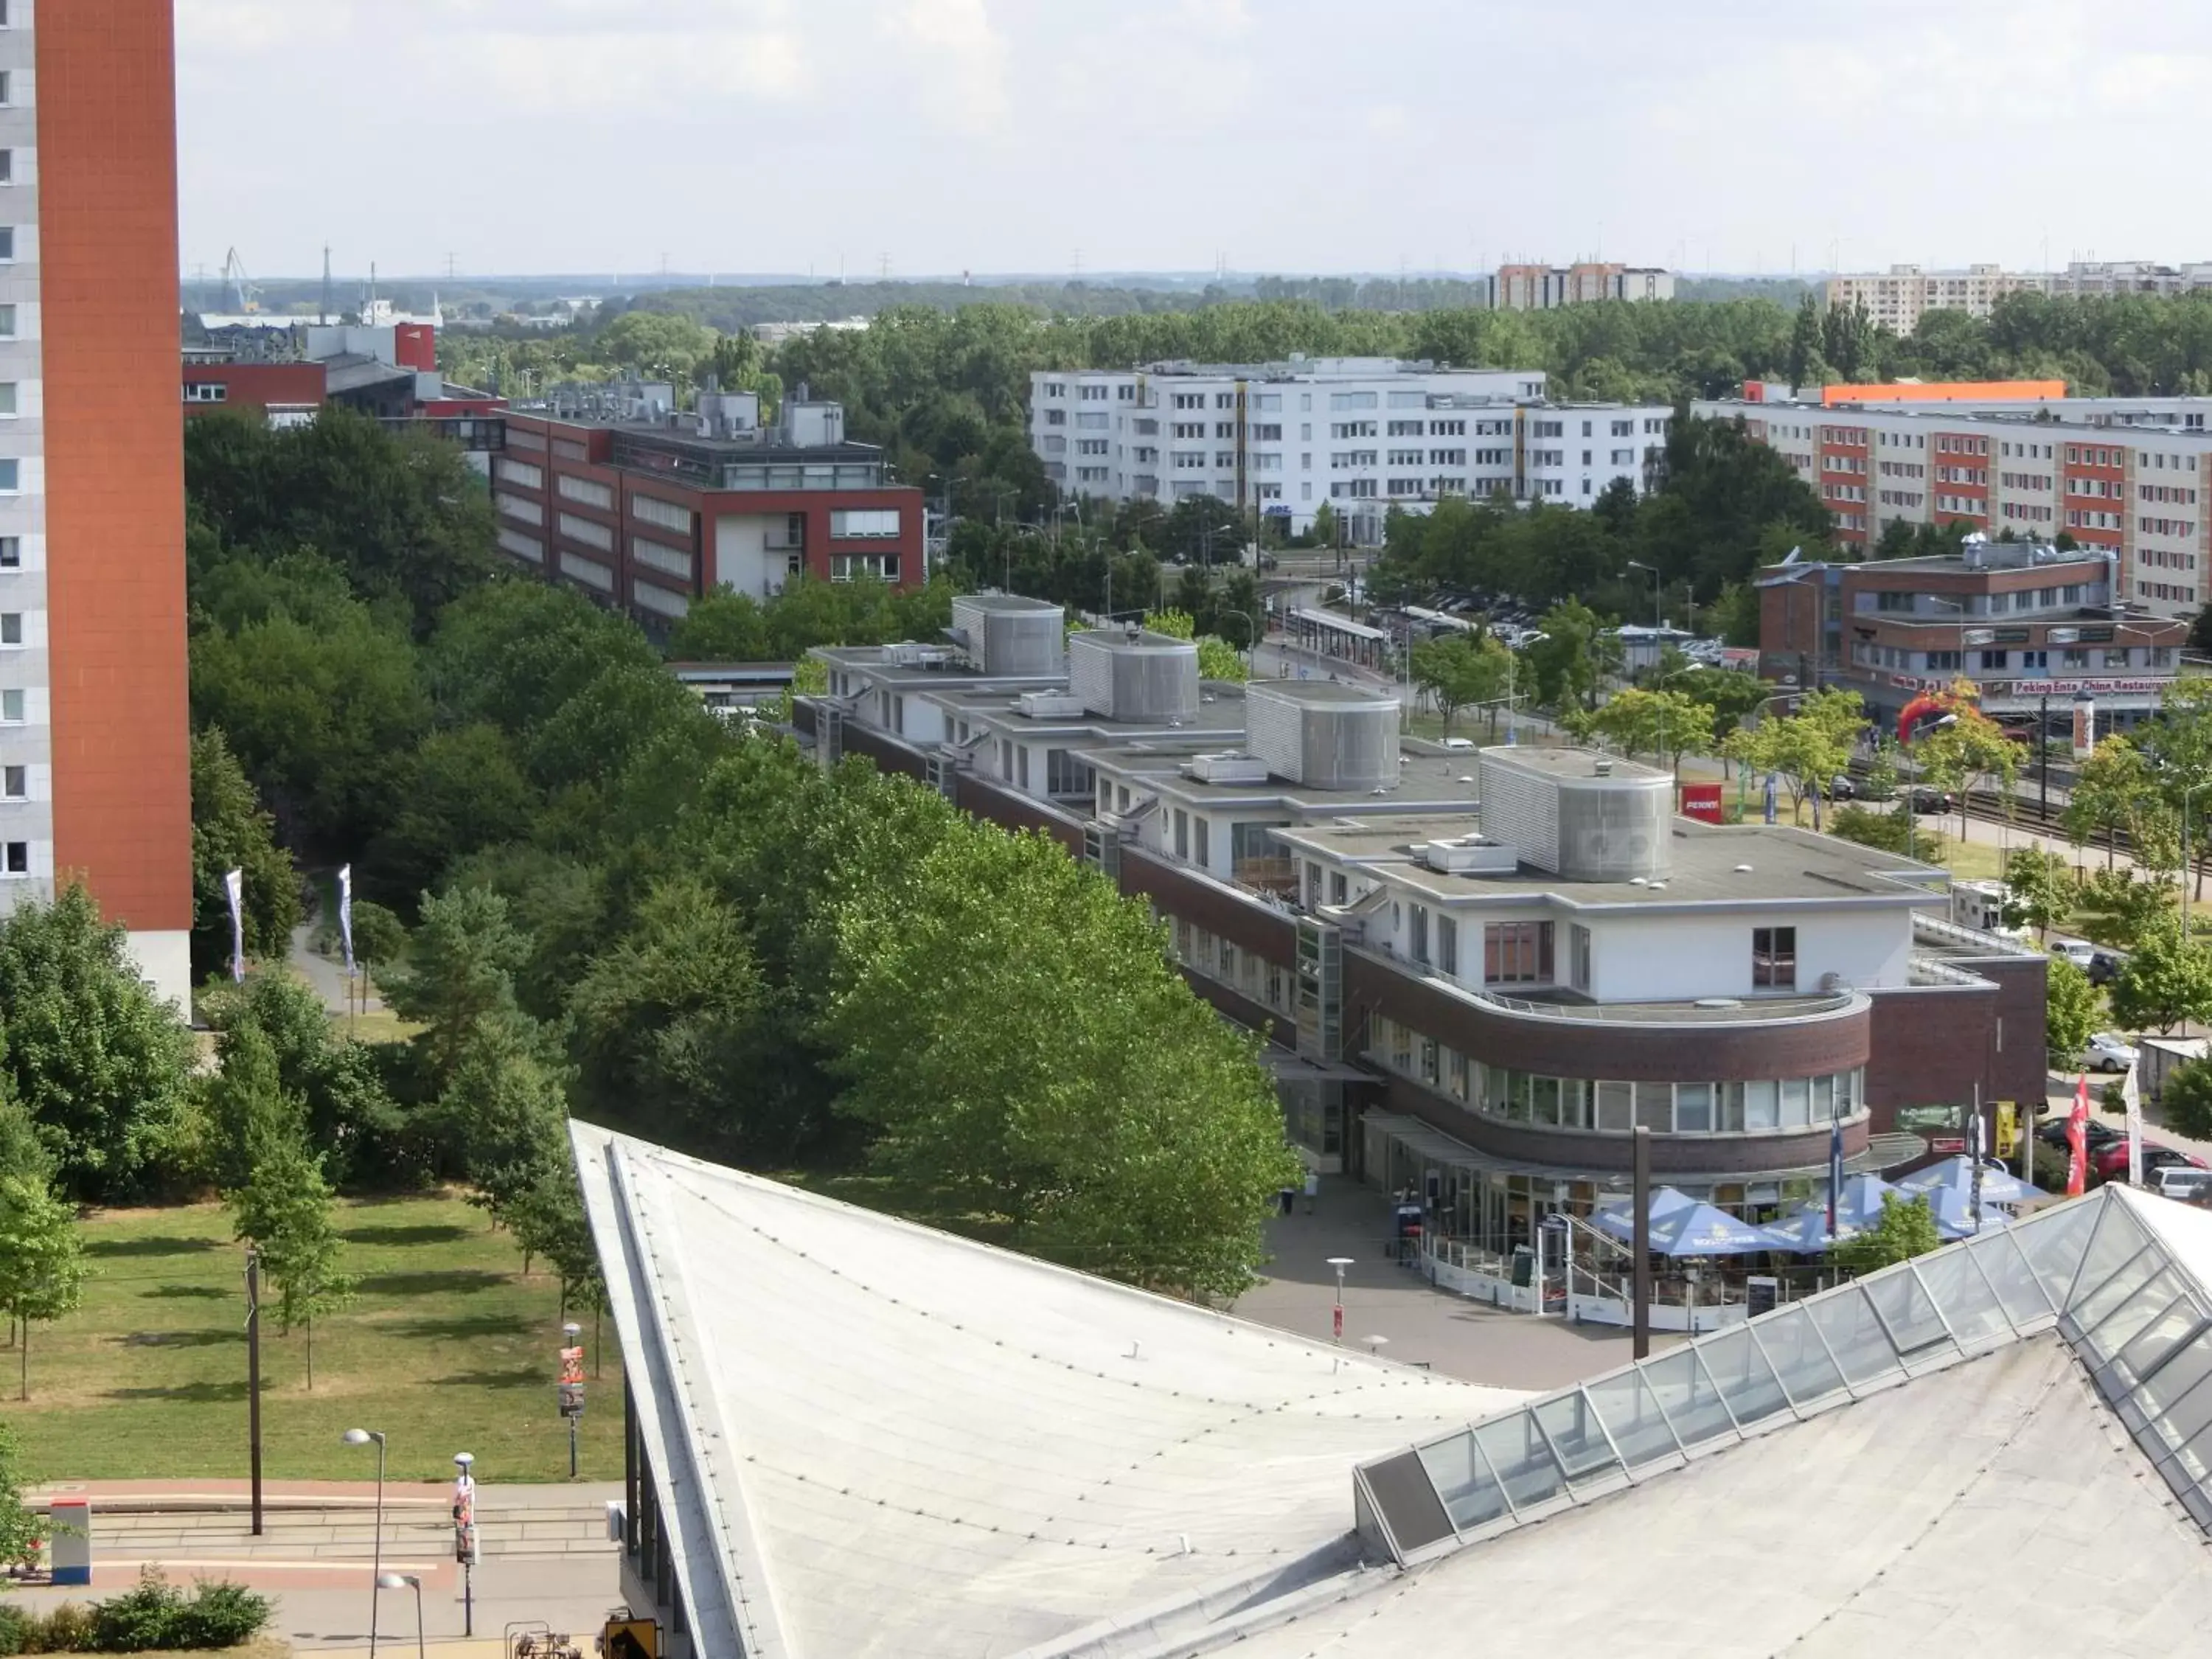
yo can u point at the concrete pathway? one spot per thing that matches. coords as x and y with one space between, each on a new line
1422 1324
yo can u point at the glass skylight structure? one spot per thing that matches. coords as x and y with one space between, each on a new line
2133 1309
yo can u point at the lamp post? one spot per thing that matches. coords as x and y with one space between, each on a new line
464 1535
404 1581
1638 564
362 1437
1336 1322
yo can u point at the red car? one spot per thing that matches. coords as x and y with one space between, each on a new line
2110 1160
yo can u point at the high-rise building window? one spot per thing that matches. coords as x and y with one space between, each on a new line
11 552
7 88
6 315
14 782
7 243
11 627
7 167
15 859
11 709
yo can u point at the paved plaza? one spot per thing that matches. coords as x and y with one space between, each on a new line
1421 1325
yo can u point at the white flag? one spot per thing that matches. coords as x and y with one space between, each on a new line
2131 1096
345 911
234 886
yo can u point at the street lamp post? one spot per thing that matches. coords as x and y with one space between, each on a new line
1336 1322
393 1581
362 1437
1638 564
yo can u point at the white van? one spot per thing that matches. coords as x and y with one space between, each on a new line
2180 1180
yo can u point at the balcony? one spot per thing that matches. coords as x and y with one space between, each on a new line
1703 1011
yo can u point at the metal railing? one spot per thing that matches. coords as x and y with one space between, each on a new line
1687 1014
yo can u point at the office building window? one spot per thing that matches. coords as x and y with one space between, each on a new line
11 552
1516 953
11 709
1774 958
1578 956
1447 947
1417 918
7 167
14 782
7 243
15 859
11 627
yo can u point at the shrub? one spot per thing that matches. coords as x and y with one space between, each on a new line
140 1620
218 1615
12 1623
155 1614
66 1629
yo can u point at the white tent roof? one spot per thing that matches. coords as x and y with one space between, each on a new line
874 1439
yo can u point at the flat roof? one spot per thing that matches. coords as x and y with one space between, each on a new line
1568 763
1343 624
1786 864
1013 602
1424 781
1219 719
1325 694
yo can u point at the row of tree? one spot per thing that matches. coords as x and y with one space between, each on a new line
624 907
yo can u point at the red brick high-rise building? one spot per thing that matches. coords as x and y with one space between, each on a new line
94 768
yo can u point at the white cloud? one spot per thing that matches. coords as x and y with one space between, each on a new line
962 74
606 72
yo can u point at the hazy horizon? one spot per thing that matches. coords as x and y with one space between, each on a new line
931 137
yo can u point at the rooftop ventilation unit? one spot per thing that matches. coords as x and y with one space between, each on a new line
1227 769
1338 739
1006 633
1470 855
1145 678
1051 706
1565 814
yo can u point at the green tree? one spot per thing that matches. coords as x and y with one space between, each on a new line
1459 670
1217 660
502 1114
2185 1100
1103 1109
1667 725
42 1267
2162 982
102 1067
2040 891
2179 747
2072 1010
1808 749
231 832
1906 1229
20 1531
459 976
669 1020
2111 789
1570 662
1972 751
462 789
723 626
245 1116
285 1212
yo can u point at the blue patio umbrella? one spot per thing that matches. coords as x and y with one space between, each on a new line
1807 1231
1955 1212
1859 1204
1701 1229
1617 1220
1999 1186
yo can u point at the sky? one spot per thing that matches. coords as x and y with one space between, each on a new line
929 138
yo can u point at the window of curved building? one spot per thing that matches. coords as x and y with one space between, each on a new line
1609 1106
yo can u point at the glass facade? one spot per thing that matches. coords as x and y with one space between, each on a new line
1606 1106
2136 1316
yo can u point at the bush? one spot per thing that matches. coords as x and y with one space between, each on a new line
155 1615
2185 1103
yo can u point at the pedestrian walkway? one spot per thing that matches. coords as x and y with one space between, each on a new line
1419 1324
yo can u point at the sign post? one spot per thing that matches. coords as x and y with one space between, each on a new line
572 1388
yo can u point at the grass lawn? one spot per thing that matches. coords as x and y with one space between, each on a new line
446 1348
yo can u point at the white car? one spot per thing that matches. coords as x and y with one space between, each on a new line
2180 1181
1459 743
2108 1052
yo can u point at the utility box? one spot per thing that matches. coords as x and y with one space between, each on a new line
69 1539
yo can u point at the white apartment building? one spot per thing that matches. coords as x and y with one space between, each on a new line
1896 298
1359 433
2094 469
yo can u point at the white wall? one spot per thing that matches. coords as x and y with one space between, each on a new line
1666 958
742 558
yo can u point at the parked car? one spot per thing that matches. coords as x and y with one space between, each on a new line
2105 967
2108 1051
2100 1134
2180 1181
2079 952
1842 789
2110 1160
1459 743
1925 800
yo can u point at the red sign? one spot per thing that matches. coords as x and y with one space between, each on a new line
1947 1143
1702 801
